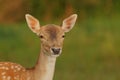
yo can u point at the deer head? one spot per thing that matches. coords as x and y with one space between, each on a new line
51 35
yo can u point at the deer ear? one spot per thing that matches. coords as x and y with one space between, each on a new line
33 23
69 22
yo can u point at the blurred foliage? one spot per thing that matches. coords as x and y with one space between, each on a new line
47 10
91 50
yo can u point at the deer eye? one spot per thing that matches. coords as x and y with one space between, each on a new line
63 36
41 36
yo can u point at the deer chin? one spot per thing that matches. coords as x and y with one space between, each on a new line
51 54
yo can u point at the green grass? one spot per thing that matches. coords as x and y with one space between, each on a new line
91 50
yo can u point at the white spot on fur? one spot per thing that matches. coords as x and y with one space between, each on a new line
8 78
4 77
6 68
3 73
18 69
16 77
12 67
2 67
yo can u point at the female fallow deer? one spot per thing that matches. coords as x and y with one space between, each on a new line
52 37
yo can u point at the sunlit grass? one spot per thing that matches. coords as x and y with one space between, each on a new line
91 50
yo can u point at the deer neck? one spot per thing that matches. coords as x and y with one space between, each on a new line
44 69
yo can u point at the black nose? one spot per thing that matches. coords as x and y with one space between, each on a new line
56 50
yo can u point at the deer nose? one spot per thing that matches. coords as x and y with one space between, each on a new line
56 51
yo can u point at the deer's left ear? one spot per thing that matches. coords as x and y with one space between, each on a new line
33 23
69 22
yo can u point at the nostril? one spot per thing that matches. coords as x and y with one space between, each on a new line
56 50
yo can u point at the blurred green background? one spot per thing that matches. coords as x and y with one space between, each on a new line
91 50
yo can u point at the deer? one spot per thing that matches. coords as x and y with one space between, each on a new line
51 37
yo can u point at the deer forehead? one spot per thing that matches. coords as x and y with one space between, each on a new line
51 31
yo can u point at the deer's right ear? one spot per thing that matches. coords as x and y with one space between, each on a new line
33 23
69 22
